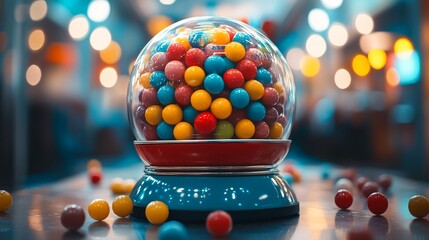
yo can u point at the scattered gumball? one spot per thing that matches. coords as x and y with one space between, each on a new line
349 173
360 182
117 186
173 230
93 163
72 217
288 178
344 183
5 201
95 175
384 181
219 223
377 203
418 206
156 212
122 206
368 188
359 233
325 171
343 199
98 209
128 185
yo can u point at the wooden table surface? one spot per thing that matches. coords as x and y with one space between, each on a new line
36 211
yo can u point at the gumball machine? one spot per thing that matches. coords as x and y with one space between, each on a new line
211 102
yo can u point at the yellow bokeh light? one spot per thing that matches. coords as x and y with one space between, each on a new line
157 24
33 75
36 39
108 77
112 53
403 47
360 65
377 58
38 10
310 66
392 77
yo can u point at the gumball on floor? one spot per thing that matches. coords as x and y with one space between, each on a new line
418 206
72 217
156 212
368 188
5 201
343 199
95 175
219 223
377 203
344 183
122 206
173 230
360 182
99 209
384 181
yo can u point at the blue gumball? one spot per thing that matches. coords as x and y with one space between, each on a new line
165 94
165 131
256 111
239 98
173 230
213 83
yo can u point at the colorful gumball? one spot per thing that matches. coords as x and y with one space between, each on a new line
377 203
368 188
5 201
99 209
122 206
234 51
157 212
343 199
173 230
205 123
219 223
72 217
195 57
418 206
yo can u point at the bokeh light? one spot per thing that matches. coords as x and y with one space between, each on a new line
408 68
98 10
364 23
360 65
342 78
78 27
403 47
167 2
38 10
108 77
318 20
157 23
315 45
392 77
377 58
33 75
338 35
310 66
332 4
100 38
36 39
294 57
112 53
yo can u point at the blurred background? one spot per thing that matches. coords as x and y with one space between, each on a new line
360 68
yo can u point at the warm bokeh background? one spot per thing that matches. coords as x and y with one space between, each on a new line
361 71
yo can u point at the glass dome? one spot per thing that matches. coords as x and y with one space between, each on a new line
210 79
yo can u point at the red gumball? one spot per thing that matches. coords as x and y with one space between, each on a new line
233 78
343 199
368 188
247 68
195 57
95 175
205 123
72 217
377 203
176 51
219 223
384 181
360 182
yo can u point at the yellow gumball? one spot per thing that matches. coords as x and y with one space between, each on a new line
244 129
221 108
153 115
172 114
128 185
201 100
219 36
183 40
116 185
5 201
276 131
183 131
157 212
122 206
194 76
99 209
255 89
144 80
234 51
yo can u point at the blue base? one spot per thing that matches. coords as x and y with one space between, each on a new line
191 198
